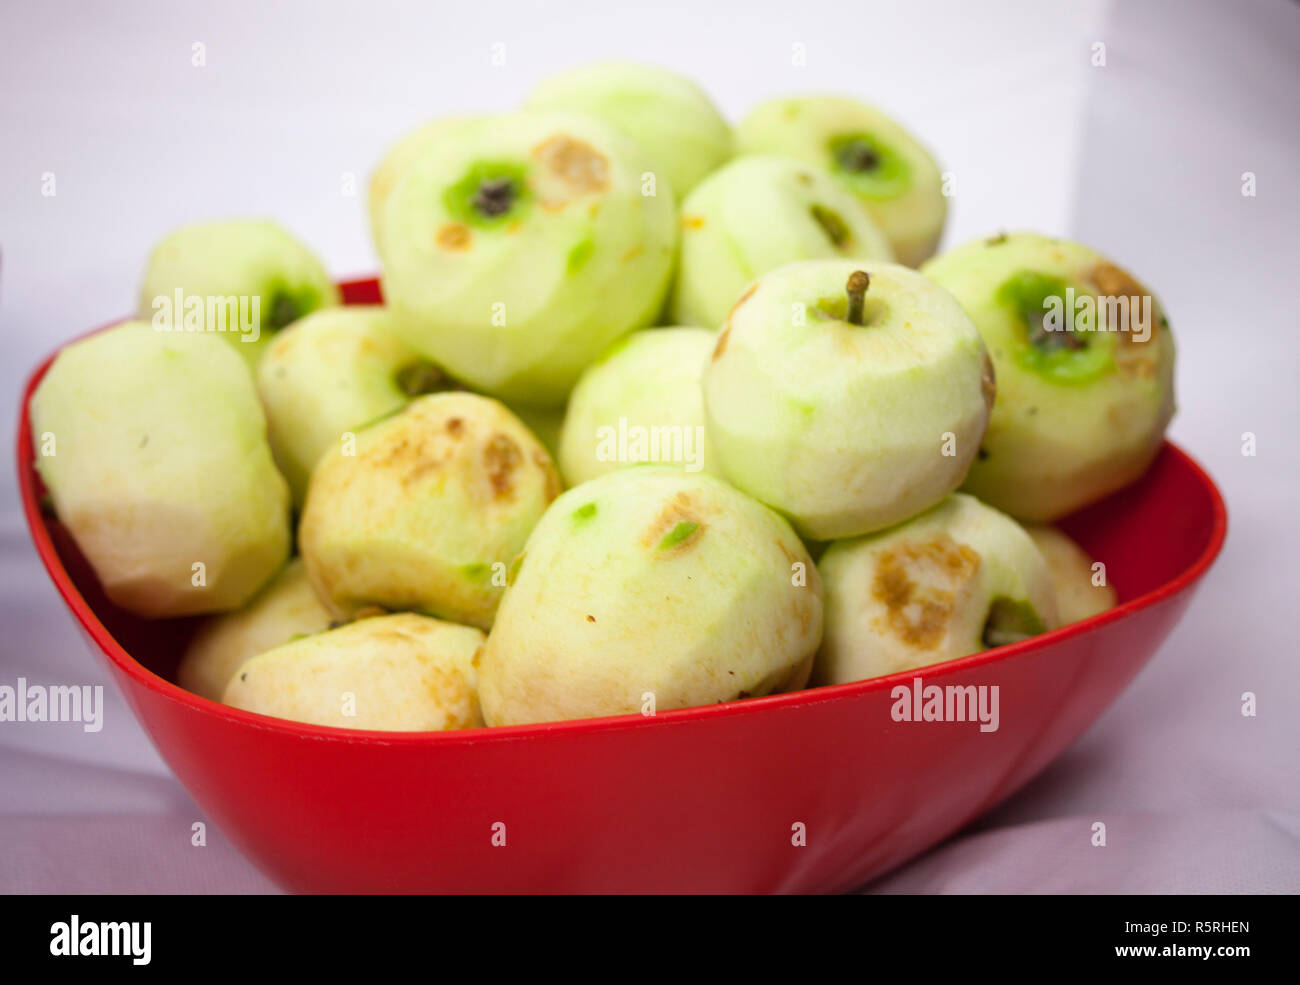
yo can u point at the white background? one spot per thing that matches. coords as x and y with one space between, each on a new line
1141 157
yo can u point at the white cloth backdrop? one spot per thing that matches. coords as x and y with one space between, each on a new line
1142 156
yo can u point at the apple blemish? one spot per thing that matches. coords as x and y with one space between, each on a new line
575 163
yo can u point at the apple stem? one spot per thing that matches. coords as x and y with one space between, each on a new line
859 281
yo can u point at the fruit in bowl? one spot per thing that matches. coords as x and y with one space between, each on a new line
758 213
463 658
729 782
650 588
153 448
684 135
286 608
332 372
1085 368
425 510
1082 590
519 247
871 156
958 579
401 672
640 402
244 279
848 395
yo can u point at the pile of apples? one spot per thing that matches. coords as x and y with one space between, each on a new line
814 395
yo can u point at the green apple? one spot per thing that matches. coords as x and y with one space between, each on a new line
244 279
425 510
1080 592
397 673
849 395
1085 368
682 132
331 372
648 589
153 448
640 402
398 158
872 156
282 611
758 213
958 579
521 246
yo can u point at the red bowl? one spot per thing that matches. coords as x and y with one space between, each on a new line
702 799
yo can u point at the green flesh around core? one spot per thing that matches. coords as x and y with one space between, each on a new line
1009 621
490 194
836 229
678 534
868 166
1057 354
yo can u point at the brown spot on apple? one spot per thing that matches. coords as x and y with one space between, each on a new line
988 382
412 459
454 236
543 461
1112 281
578 166
675 530
721 345
1133 356
501 458
917 582
745 296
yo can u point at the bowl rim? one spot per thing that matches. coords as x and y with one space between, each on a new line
141 675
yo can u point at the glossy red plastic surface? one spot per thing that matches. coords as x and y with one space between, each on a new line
703 799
